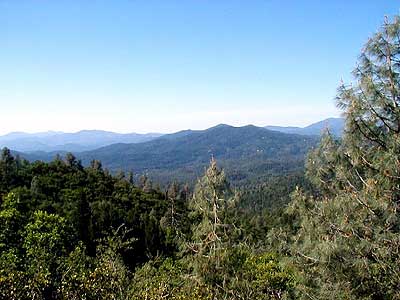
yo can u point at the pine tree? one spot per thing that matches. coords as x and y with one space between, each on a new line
213 233
8 169
347 239
211 201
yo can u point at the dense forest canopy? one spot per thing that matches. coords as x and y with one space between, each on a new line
74 232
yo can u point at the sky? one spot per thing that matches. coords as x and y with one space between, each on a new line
163 66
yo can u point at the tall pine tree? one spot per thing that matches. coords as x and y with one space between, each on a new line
347 240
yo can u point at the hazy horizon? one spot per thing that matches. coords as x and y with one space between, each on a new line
165 131
156 132
165 66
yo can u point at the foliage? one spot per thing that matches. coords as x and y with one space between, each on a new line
167 279
344 238
70 232
246 153
267 279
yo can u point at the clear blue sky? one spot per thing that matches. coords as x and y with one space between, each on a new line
162 66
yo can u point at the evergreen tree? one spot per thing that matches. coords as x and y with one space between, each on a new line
213 233
346 237
211 201
8 170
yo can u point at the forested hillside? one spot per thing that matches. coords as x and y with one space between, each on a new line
74 232
256 160
245 152
71 232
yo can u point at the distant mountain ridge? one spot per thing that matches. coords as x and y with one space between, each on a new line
18 134
84 140
244 152
87 140
221 140
335 126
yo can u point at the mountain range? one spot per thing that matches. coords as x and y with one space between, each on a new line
87 140
244 152
247 153
335 126
72 142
